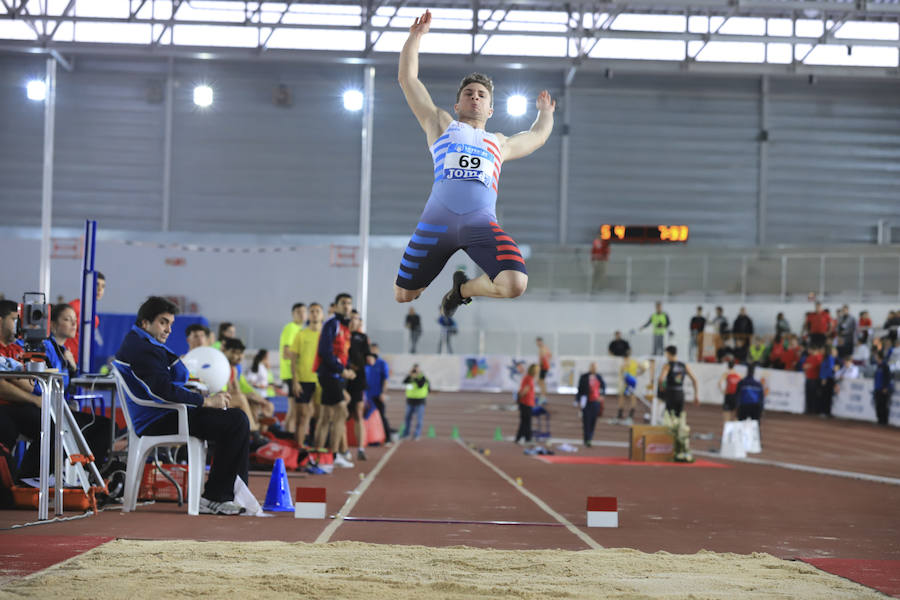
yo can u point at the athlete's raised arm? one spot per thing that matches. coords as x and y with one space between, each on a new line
432 119
526 142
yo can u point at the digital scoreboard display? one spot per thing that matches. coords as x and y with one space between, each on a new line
644 234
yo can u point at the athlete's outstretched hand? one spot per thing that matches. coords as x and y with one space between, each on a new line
422 24
544 102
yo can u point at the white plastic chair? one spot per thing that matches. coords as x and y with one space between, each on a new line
139 447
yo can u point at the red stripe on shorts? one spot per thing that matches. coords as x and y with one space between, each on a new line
507 247
504 238
510 257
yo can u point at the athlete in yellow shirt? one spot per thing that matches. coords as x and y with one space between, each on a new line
303 352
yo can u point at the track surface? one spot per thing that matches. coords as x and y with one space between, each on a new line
743 508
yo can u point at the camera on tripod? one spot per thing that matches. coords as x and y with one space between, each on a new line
34 328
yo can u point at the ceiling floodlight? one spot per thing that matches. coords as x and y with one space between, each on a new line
353 100
203 96
36 90
517 105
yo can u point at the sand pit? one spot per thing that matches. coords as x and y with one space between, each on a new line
350 570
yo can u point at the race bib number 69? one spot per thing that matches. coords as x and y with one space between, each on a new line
469 162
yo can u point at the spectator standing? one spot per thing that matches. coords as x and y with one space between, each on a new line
846 332
827 375
698 324
599 259
757 352
782 327
285 356
728 384
525 400
448 329
72 343
742 329
417 388
414 324
721 322
359 356
811 368
816 326
377 375
619 346
544 356
847 371
865 327
304 350
861 354
751 395
883 390
591 389
791 355
332 357
660 323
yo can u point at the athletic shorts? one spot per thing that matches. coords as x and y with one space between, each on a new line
441 232
675 401
630 384
332 390
307 391
543 374
730 402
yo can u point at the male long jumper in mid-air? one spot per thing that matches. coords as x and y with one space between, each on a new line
460 212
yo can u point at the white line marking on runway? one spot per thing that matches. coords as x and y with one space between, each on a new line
806 468
543 505
355 495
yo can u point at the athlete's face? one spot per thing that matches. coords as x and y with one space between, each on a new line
474 102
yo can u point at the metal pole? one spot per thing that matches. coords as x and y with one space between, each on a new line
763 191
666 261
167 147
783 278
564 166
743 278
627 278
47 191
705 276
862 276
56 384
365 188
44 461
822 277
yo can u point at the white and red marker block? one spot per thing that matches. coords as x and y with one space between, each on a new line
602 512
309 503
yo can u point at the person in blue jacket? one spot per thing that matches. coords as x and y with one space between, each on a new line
826 374
751 395
377 374
154 372
883 389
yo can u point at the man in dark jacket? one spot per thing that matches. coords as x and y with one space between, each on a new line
154 372
591 389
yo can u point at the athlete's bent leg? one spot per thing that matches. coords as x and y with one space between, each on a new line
507 284
404 295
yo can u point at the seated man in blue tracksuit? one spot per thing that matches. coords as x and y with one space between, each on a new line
154 372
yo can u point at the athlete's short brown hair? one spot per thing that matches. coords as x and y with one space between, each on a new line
477 78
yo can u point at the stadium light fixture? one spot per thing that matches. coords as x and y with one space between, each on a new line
36 90
203 96
353 100
517 105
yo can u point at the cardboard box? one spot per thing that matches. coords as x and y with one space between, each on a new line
651 443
